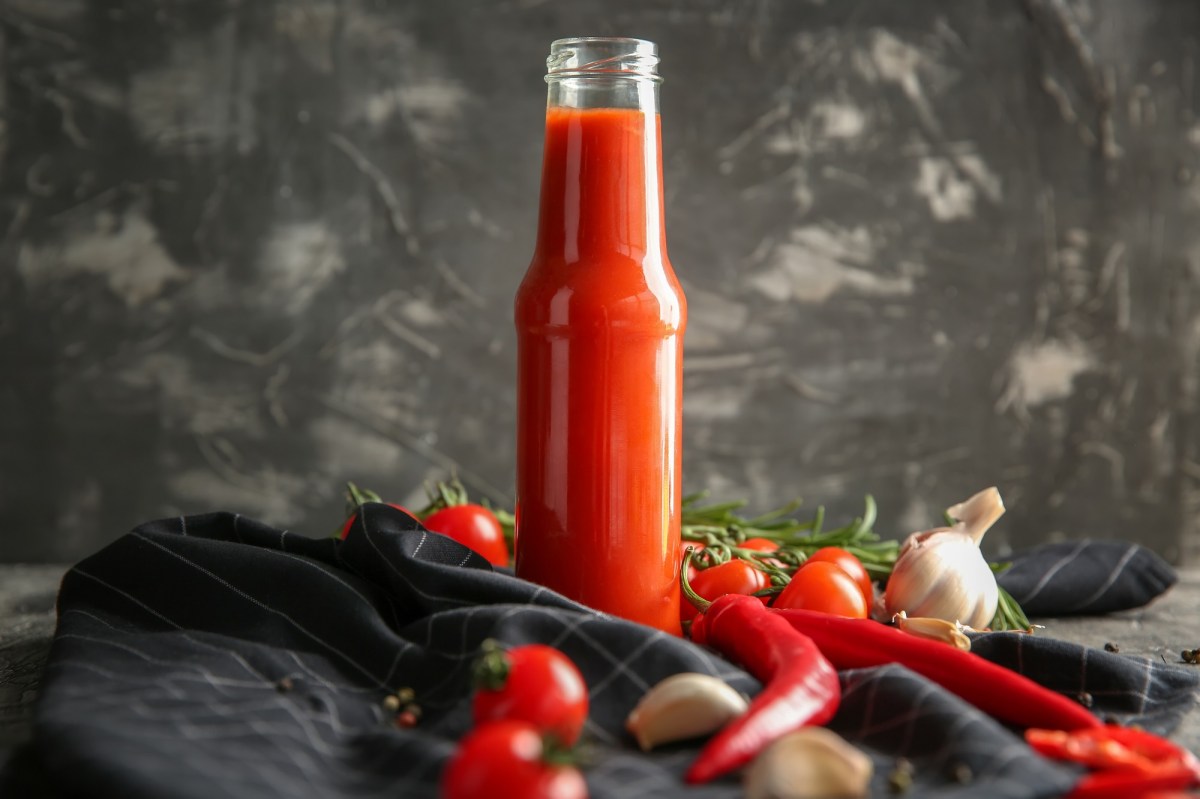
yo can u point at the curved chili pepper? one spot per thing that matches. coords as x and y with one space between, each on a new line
800 687
1128 762
999 692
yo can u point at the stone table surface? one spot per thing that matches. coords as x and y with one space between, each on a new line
27 593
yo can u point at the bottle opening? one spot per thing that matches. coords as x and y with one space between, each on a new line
603 57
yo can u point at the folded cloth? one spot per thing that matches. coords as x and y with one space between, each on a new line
1086 578
216 656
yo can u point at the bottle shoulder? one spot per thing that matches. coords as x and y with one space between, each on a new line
615 292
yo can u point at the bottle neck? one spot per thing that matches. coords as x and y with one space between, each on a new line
602 166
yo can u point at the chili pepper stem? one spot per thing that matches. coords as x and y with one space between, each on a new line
701 604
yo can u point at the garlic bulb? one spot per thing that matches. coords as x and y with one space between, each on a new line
942 574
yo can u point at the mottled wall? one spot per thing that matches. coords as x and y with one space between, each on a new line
252 249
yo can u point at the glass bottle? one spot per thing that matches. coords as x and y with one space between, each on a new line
600 322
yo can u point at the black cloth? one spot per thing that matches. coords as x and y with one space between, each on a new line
214 656
1086 578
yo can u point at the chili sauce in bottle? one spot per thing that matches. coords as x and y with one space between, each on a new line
600 320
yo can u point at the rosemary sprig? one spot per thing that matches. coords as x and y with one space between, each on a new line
1009 615
722 530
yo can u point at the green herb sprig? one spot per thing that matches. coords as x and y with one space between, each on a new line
722 531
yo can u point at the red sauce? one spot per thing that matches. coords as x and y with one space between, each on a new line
600 322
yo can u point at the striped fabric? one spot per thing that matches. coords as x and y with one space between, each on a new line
1086 578
213 656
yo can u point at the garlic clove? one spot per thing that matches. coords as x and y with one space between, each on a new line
809 763
683 706
948 632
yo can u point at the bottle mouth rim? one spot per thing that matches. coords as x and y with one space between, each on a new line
611 57
649 45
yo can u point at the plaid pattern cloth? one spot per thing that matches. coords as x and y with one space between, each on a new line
214 656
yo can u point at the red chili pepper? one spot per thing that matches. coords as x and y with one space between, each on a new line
1128 762
1109 747
1128 785
800 686
999 692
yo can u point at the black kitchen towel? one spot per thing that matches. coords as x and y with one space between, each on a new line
1086 578
215 656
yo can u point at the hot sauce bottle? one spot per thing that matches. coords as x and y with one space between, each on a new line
600 321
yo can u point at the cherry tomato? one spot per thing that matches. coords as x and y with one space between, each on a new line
504 760
536 684
472 526
354 518
763 545
824 587
760 544
732 577
850 565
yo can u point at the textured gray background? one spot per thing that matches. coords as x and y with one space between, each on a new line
253 249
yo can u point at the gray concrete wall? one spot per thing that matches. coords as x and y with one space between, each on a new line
253 249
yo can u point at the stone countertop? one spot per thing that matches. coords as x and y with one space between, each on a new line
27 593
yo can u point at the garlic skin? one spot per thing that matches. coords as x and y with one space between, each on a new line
811 763
976 515
684 706
942 574
947 632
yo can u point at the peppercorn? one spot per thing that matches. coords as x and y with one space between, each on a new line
900 780
408 717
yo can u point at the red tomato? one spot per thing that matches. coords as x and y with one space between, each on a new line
850 565
504 760
354 517
760 544
732 577
763 545
472 526
536 684
824 587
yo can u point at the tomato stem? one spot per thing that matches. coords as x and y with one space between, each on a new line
556 753
357 497
492 667
444 494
